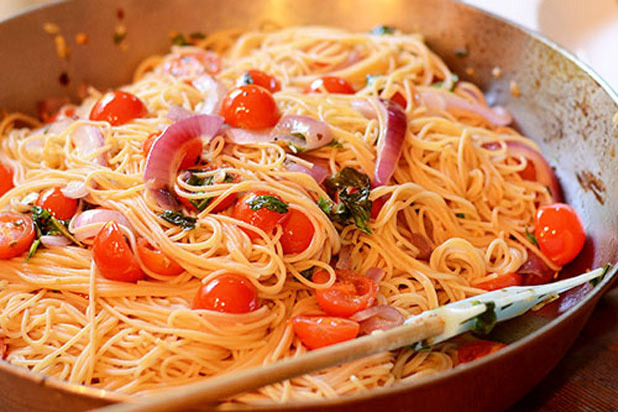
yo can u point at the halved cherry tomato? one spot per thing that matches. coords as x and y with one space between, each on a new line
227 293
57 204
157 261
16 234
560 232
147 145
501 282
262 218
224 204
193 64
113 256
297 234
118 108
6 179
349 294
331 84
399 99
250 107
319 331
265 80
477 349
529 173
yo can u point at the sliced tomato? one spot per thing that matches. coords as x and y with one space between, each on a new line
229 293
157 261
560 232
400 100
250 107
319 331
57 204
193 64
262 218
113 256
350 293
192 155
118 108
224 204
477 349
331 84
16 234
297 234
265 80
6 179
502 281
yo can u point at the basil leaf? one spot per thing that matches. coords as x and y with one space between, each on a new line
336 144
381 30
269 202
46 224
460 215
598 280
246 79
352 188
531 238
308 273
485 322
178 219
180 40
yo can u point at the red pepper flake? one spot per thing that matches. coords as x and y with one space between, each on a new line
120 14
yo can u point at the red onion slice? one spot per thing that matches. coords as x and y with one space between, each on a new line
379 317
544 173
88 139
343 259
441 100
49 241
318 172
535 271
375 274
76 189
168 151
244 136
87 224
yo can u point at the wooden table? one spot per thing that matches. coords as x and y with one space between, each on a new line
587 378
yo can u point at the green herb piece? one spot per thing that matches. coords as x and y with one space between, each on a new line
485 322
352 188
119 37
178 219
336 144
460 215
197 35
461 52
33 248
180 40
326 205
18 222
246 79
381 30
598 280
269 202
194 180
440 84
46 224
308 273
531 238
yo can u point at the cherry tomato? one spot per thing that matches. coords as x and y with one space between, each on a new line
377 205
331 84
319 331
297 234
6 179
16 234
400 100
250 107
157 261
477 349
529 173
193 150
113 256
224 204
265 80
262 218
147 145
349 294
193 64
118 108
501 282
560 232
227 293
57 204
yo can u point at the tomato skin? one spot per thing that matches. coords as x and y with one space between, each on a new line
529 173
113 256
228 293
477 349
193 64
349 294
319 331
265 80
262 218
377 205
400 100
250 107
118 108
57 204
331 84
6 179
297 234
560 232
224 204
15 237
147 145
501 282
157 261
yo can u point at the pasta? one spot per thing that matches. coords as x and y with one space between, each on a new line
455 214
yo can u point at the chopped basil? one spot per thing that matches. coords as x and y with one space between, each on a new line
308 273
381 30
46 224
598 280
178 219
460 215
246 79
336 144
485 322
454 79
531 238
269 202
352 189
33 248
180 40
194 180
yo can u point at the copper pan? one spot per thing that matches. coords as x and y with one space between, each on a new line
563 105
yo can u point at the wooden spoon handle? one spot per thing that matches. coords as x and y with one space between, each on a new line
212 390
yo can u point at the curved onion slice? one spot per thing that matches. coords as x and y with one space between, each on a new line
343 259
87 224
88 139
243 136
375 274
317 171
544 173
391 140
168 151
379 317
50 240
76 189
213 92
441 100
